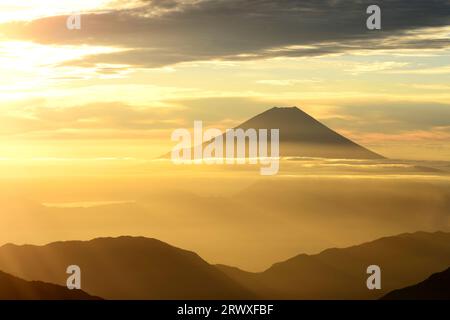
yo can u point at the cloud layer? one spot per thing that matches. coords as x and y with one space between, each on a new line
165 32
116 120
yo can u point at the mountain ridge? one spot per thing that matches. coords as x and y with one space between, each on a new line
124 268
301 135
340 273
145 268
15 288
435 287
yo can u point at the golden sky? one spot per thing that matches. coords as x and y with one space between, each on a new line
136 70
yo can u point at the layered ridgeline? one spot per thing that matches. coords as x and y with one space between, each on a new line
13 288
141 268
341 273
300 135
436 287
123 268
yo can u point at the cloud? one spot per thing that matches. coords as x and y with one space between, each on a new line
377 66
287 82
439 134
425 71
117 120
90 121
160 33
393 121
368 123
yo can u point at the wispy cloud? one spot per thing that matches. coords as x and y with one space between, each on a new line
377 66
288 82
117 120
160 33
394 121
427 71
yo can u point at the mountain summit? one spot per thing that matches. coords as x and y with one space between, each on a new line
303 136
124 268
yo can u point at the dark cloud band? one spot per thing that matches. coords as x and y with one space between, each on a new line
160 33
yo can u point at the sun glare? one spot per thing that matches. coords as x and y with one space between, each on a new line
12 10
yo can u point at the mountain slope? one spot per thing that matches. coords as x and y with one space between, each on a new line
341 273
124 268
13 288
436 287
302 136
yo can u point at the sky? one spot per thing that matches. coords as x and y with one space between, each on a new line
138 69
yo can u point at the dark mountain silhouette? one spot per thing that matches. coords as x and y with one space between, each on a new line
436 287
341 273
124 268
13 288
142 268
303 136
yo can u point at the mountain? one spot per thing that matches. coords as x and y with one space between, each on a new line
142 268
124 268
341 273
303 136
13 288
436 287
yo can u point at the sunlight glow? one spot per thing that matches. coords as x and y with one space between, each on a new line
12 10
